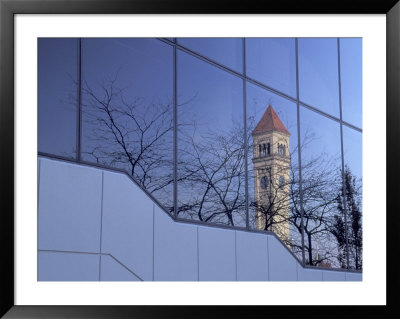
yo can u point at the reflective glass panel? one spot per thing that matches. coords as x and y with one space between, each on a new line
57 96
318 74
321 185
127 110
227 51
352 144
272 162
351 80
272 61
211 172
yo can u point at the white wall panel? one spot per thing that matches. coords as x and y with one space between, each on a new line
252 256
55 266
111 270
282 264
175 249
353 276
69 207
127 225
305 274
217 261
329 275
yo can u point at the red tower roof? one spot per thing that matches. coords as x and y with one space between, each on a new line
270 122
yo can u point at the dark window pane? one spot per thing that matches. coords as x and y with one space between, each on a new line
321 184
227 51
273 62
211 176
127 110
352 144
271 121
57 96
318 74
351 80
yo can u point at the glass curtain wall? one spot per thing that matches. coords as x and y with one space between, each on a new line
263 134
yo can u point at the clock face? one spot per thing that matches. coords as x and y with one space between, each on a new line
264 182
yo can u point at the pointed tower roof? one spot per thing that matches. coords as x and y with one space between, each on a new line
270 122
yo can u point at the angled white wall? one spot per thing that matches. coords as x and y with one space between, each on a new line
112 270
333 275
175 249
69 207
353 276
62 266
127 224
217 255
305 274
87 212
282 264
252 256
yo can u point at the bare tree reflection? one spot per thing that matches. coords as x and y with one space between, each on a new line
136 134
132 134
211 172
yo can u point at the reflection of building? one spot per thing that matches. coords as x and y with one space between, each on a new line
271 161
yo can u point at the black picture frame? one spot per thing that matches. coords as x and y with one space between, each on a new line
9 8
